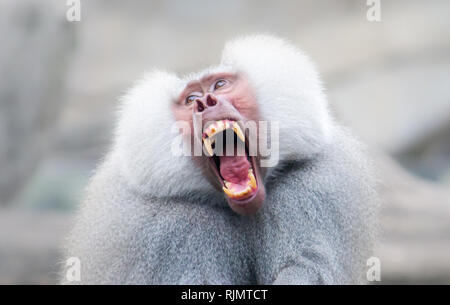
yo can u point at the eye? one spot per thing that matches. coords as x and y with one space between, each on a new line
220 83
190 99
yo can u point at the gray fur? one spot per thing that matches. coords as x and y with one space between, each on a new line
314 228
150 219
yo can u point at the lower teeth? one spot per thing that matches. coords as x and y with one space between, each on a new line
251 186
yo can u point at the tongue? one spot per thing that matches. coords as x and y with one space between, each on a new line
234 168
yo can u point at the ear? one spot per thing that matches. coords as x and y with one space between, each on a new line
288 90
144 137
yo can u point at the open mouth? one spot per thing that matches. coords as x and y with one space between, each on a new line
227 150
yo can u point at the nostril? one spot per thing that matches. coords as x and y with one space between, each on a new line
200 106
210 101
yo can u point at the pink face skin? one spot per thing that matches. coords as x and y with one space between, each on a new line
217 97
236 91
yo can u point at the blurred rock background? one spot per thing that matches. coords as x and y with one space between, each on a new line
388 81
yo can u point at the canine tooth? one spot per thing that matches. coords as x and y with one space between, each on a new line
237 129
227 184
252 182
207 143
228 192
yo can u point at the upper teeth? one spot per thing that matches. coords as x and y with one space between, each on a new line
207 143
216 128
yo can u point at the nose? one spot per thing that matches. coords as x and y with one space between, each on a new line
205 102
